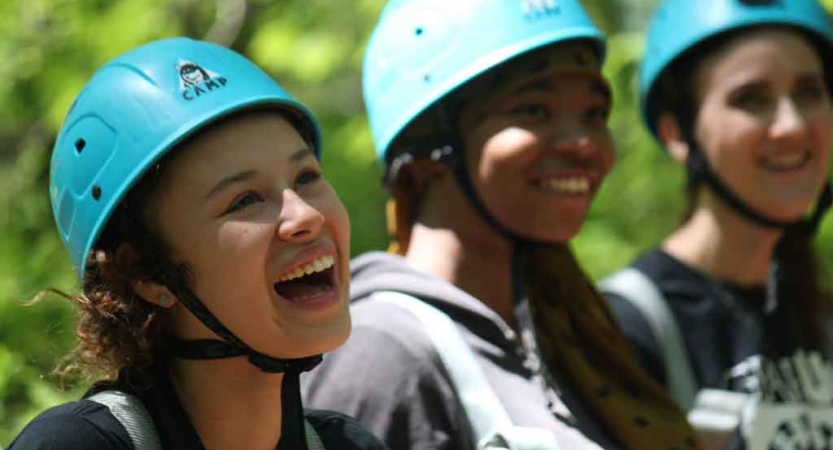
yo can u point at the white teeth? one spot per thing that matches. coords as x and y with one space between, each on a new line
319 265
570 185
789 161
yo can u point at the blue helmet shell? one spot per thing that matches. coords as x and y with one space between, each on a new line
135 109
679 25
422 50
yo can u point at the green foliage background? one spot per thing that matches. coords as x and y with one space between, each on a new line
314 47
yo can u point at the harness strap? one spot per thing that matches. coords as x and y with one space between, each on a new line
135 419
313 440
133 416
635 287
485 412
491 426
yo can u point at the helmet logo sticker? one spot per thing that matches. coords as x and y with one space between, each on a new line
539 9
195 80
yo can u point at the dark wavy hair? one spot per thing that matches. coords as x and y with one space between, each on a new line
800 269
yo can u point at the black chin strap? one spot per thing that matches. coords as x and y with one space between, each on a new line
230 346
451 153
293 433
698 169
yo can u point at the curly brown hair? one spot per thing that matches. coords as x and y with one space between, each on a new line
116 328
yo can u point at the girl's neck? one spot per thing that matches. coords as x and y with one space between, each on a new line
230 403
720 242
452 242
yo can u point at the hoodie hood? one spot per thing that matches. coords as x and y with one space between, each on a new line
380 271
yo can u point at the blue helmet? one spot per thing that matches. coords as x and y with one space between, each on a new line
679 25
135 109
422 50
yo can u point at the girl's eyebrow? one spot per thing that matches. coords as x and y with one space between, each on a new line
810 77
225 182
228 181
302 154
540 85
747 84
597 87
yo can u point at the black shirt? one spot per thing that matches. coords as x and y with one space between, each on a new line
88 425
721 323
724 331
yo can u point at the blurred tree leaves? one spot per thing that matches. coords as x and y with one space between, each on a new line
49 48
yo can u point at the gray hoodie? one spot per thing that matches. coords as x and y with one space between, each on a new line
389 376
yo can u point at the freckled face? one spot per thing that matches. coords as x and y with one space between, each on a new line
246 207
764 120
537 142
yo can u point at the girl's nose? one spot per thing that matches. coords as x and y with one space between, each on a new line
299 221
788 121
572 138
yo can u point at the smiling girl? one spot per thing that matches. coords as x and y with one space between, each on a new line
740 93
213 255
490 118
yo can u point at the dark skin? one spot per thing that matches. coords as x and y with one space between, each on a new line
537 149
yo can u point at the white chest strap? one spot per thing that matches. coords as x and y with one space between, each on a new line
135 419
313 440
491 426
635 287
133 416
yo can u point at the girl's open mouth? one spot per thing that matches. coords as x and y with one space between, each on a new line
307 282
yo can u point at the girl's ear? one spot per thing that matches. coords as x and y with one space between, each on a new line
154 293
671 136
148 291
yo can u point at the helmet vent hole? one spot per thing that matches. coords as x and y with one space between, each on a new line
427 77
759 2
96 192
79 145
418 31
